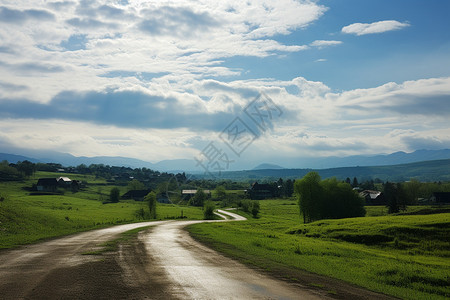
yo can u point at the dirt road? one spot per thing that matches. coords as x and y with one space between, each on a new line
164 262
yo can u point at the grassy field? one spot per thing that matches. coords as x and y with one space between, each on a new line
26 218
406 256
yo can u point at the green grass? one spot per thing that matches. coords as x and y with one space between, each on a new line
26 219
405 256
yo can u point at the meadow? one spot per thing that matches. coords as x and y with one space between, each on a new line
407 256
26 218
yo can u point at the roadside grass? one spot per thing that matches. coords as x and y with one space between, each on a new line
26 218
407 256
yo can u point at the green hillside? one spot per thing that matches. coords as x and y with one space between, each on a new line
435 170
27 218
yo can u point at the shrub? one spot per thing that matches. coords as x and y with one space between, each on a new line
208 210
255 208
151 199
114 195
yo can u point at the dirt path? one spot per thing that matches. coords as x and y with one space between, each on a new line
163 262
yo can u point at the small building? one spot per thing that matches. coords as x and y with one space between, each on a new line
188 194
64 181
47 185
373 197
137 195
440 198
163 198
260 191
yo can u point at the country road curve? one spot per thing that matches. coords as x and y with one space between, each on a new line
163 262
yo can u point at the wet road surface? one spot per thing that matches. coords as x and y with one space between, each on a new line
197 272
163 262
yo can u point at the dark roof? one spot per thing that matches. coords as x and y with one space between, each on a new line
136 193
47 181
442 197
261 186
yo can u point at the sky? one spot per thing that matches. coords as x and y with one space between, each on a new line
224 82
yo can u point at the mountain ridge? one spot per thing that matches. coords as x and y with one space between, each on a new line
190 165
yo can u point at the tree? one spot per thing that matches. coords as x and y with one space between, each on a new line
391 196
199 198
114 195
151 199
220 192
340 200
255 208
289 190
208 210
309 193
355 182
135 185
412 190
26 167
327 199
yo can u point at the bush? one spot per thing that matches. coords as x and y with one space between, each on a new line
199 198
255 208
114 195
151 199
141 214
208 211
244 205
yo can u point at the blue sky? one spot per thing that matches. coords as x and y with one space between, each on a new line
161 80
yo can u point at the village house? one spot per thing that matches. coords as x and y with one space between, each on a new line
373 197
440 198
260 191
47 185
188 194
137 195
64 182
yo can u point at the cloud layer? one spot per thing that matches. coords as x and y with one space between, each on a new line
151 80
371 28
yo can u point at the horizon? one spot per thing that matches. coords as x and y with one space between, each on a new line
224 83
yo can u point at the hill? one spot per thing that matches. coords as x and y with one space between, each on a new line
435 170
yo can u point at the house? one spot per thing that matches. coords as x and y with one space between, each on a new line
47 184
64 181
163 198
137 195
188 194
260 191
440 198
373 197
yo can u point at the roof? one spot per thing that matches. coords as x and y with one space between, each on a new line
65 179
261 186
371 194
189 192
136 193
47 181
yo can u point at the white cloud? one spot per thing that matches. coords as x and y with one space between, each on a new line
89 39
376 27
324 43
170 77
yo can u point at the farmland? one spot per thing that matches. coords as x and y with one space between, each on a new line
407 256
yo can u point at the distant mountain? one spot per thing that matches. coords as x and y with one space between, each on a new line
12 158
435 170
70 160
190 165
375 160
267 166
